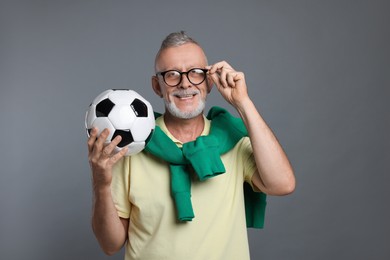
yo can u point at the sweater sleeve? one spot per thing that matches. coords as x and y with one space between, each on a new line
255 200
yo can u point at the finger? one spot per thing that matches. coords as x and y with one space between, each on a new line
235 77
230 78
116 140
92 139
116 157
99 144
215 80
222 78
102 139
109 148
106 152
217 67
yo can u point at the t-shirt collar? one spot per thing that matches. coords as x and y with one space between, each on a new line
160 122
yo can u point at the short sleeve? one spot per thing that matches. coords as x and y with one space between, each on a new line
120 187
248 159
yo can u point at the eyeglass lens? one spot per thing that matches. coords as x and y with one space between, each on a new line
195 76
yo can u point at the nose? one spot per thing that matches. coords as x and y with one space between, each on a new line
185 83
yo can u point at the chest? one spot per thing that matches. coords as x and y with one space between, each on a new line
150 187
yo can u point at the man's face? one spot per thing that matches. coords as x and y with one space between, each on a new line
185 100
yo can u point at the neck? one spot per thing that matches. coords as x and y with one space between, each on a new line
184 130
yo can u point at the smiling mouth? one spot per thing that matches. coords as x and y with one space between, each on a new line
187 96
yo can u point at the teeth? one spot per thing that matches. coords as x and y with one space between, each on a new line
185 96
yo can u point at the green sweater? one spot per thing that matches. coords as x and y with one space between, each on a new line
203 155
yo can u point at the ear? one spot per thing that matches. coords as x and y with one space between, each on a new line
210 83
156 86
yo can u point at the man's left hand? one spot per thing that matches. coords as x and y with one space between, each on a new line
229 82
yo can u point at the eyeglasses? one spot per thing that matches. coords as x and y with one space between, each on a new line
173 77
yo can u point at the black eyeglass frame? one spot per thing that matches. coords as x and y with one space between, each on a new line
162 73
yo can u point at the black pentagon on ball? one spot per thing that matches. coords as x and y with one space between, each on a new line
139 107
127 137
104 107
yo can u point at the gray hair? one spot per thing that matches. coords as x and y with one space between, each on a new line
175 39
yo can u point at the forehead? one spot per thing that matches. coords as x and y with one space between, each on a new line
182 57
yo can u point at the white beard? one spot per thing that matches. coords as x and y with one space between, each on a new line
175 111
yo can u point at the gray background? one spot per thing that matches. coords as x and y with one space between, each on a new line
317 70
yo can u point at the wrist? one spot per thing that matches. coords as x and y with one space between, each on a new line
244 107
101 190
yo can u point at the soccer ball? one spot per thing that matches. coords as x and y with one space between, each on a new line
124 112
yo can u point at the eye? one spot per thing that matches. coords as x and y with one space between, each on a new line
196 72
172 74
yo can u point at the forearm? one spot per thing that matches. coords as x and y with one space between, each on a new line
107 226
275 174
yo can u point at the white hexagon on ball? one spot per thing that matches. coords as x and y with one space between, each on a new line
122 116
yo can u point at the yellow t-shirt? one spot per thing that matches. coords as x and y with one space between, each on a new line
141 192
